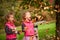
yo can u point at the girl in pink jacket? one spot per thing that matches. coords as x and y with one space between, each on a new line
28 27
10 29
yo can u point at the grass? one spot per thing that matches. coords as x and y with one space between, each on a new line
46 31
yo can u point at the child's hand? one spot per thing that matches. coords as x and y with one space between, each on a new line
25 28
13 29
31 37
19 31
16 32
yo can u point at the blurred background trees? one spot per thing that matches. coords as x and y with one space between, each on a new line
19 6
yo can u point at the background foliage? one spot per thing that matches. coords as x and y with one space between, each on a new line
19 6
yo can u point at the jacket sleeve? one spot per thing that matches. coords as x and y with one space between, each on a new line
8 30
23 25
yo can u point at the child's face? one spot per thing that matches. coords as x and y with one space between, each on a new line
11 18
28 16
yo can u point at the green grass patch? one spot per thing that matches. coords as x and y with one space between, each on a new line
45 31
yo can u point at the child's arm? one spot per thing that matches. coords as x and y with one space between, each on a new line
14 30
8 31
23 27
17 32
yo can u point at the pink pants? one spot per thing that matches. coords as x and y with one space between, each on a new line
28 37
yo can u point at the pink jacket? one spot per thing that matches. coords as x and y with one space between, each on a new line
10 26
30 28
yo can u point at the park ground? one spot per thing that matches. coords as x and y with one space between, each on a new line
46 32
